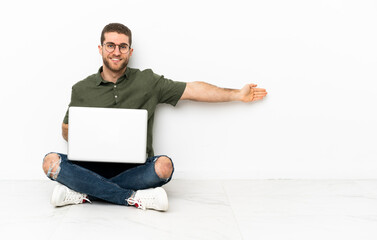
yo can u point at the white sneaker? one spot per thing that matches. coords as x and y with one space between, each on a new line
62 196
153 198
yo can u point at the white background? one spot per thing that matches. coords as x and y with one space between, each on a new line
317 59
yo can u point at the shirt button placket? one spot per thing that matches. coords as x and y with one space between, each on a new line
115 94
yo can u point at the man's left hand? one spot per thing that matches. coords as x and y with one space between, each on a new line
250 93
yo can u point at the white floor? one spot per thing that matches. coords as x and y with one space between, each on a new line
239 209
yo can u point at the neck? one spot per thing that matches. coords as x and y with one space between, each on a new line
110 75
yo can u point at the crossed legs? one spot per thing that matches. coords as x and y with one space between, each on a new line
156 172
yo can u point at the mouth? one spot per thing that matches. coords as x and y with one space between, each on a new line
115 60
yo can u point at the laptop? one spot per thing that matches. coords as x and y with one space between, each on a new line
107 135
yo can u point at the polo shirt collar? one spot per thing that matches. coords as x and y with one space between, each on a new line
100 80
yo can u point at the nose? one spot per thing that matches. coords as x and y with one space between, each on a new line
117 50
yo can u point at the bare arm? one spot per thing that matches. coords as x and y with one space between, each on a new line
205 92
65 131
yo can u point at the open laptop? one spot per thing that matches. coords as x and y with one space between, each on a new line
107 134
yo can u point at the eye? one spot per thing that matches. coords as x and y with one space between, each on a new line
125 47
109 45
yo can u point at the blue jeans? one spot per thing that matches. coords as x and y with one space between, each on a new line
116 189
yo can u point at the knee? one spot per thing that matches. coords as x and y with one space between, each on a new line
51 165
164 167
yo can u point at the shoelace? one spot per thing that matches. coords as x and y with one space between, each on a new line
75 197
136 202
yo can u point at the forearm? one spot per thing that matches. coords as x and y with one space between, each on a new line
205 92
65 131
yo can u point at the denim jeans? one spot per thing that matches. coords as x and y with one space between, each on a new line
116 189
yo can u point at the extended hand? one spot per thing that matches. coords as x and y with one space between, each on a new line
250 93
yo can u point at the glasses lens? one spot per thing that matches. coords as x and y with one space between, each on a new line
123 48
110 47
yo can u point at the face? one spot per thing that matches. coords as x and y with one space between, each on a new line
115 61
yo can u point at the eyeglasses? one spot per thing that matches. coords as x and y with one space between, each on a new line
110 47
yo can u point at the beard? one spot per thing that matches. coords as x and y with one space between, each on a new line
118 68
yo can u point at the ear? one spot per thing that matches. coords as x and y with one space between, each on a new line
131 51
100 49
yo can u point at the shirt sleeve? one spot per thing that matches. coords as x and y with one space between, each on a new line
169 91
65 120
74 100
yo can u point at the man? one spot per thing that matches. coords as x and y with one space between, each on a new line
118 86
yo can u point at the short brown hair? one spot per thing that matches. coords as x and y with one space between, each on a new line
116 27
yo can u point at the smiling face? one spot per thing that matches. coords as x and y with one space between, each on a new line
115 61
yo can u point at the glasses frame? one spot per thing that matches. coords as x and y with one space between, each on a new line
117 45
